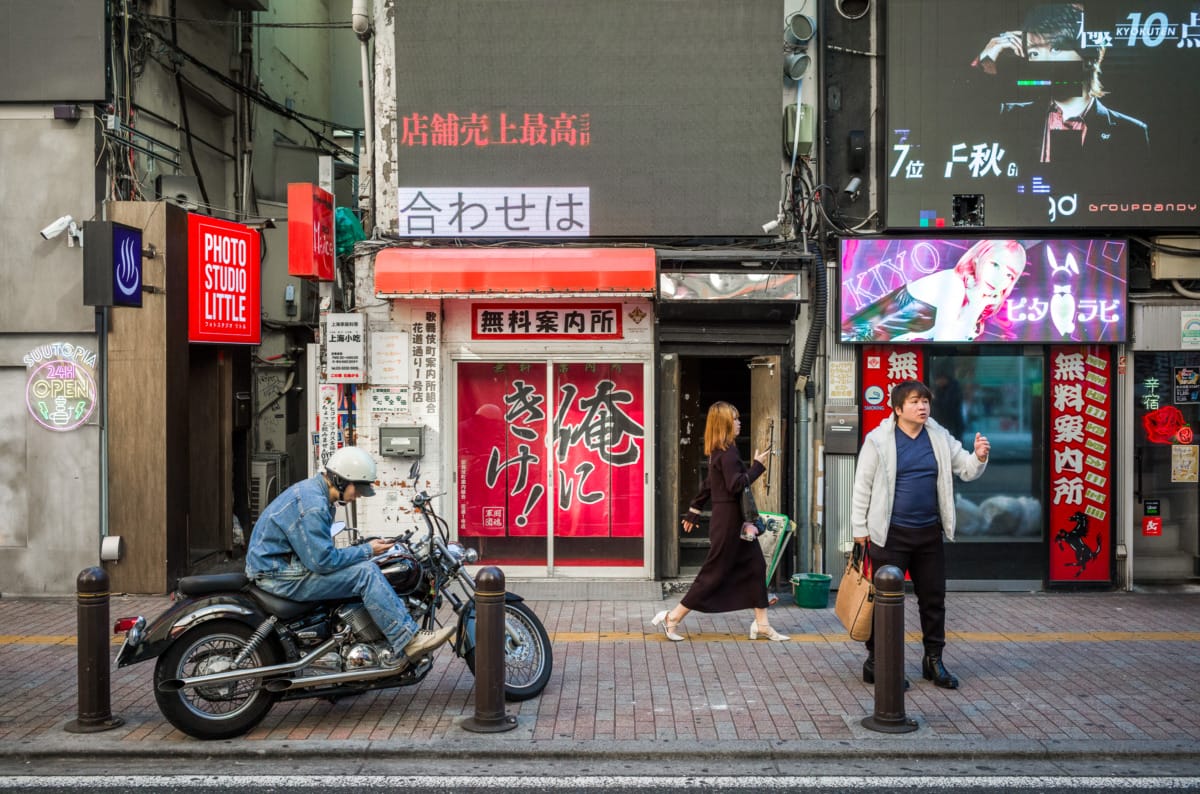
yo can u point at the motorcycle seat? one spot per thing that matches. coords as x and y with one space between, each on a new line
282 608
212 583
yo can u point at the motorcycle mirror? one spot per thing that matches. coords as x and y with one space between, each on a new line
414 471
337 527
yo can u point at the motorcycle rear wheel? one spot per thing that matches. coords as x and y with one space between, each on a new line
528 657
218 711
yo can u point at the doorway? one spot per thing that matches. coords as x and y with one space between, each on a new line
1166 485
690 382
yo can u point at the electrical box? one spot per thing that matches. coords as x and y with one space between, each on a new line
402 442
285 298
841 431
806 121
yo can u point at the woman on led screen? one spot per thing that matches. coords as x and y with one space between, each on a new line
947 306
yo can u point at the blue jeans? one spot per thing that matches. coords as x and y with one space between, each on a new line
363 579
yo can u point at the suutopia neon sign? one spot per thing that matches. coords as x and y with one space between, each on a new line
61 389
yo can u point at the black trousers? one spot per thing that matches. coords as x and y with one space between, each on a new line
922 554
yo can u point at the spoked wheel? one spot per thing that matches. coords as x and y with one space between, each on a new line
215 711
528 658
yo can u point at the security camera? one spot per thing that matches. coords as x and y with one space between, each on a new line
852 187
770 226
58 227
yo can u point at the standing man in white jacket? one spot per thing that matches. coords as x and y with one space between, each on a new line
904 505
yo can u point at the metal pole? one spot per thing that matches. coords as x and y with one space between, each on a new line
889 714
94 712
489 655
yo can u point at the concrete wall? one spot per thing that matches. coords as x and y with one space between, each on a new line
50 487
293 65
211 106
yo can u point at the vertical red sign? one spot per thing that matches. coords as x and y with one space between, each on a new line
224 284
1081 431
310 231
599 451
883 366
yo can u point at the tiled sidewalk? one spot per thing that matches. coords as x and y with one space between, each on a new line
1095 669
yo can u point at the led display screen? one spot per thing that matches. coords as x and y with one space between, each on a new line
983 290
1023 114
577 118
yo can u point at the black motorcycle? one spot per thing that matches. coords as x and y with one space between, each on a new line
227 651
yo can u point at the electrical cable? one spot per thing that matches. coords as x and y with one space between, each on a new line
183 111
1167 248
820 298
263 99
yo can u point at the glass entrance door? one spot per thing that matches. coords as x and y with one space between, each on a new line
551 466
1000 535
1166 491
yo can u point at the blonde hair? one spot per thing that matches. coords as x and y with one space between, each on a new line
1009 253
718 430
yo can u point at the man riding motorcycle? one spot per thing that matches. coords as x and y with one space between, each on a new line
292 555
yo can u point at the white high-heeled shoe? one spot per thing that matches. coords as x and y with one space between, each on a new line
767 632
669 625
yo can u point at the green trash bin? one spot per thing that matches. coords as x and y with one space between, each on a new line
811 590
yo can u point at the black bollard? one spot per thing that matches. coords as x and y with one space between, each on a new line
94 711
490 716
889 714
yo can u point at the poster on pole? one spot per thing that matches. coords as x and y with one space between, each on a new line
345 353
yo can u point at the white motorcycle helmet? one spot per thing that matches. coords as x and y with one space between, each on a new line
352 465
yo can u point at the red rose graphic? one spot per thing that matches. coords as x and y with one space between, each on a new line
1163 425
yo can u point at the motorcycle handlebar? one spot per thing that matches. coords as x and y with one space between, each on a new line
424 498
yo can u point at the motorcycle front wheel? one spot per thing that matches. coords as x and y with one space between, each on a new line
528 658
215 711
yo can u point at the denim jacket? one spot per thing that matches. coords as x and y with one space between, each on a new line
291 538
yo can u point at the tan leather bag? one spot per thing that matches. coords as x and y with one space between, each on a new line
855 603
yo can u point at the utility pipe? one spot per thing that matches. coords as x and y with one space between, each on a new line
360 21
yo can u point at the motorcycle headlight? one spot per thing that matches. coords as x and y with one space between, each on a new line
461 554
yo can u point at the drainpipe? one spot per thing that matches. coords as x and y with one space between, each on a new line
102 372
804 392
360 21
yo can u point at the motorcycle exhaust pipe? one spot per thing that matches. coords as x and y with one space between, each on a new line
305 682
176 684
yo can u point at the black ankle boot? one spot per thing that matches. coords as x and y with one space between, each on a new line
869 672
933 670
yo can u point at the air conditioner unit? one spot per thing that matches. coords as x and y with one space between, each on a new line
267 473
1166 266
179 189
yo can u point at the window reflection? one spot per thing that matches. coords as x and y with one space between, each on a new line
1001 397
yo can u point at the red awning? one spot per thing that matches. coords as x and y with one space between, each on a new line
462 272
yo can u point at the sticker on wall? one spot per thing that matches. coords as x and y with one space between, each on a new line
60 390
1185 463
1189 330
841 380
389 400
882 368
1187 385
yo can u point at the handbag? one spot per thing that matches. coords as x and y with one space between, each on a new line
856 597
750 511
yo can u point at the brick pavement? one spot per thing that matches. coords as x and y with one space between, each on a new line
1083 670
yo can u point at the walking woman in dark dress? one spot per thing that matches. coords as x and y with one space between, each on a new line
733 575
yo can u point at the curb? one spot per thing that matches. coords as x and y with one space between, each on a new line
483 747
